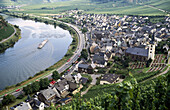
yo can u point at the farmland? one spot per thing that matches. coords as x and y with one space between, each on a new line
98 8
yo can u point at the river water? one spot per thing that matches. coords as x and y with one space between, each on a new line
24 59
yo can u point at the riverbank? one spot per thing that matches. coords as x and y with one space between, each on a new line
48 71
11 40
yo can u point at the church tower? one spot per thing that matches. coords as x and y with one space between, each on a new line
151 51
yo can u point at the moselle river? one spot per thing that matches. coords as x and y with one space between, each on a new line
24 59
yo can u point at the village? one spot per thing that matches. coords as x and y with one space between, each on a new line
111 41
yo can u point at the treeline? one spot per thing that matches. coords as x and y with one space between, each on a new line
129 96
38 19
36 86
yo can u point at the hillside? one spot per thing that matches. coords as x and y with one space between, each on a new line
5 29
99 7
128 95
19 2
122 1
131 7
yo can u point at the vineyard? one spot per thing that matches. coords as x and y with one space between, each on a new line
158 64
129 95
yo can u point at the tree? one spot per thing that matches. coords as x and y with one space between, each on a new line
84 30
28 89
55 25
0 105
46 22
55 75
8 99
84 54
35 86
44 83
148 62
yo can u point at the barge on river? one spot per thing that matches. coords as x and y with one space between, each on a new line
41 45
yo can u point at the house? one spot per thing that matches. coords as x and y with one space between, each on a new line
72 86
36 104
119 53
83 80
94 49
85 68
69 77
166 47
100 59
62 86
47 95
77 77
109 79
23 106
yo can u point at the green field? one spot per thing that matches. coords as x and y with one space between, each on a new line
162 4
95 7
5 29
99 90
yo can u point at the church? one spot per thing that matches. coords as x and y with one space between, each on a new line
141 54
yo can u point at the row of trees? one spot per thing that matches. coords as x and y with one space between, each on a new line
129 96
42 84
36 86
7 100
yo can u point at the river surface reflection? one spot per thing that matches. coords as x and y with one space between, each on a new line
24 59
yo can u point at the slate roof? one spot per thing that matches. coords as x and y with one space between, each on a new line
69 77
48 93
109 77
72 85
24 106
83 66
99 58
35 103
138 51
83 80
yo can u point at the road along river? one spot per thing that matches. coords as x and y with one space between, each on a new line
24 59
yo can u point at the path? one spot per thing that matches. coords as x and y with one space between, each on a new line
84 92
9 36
109 68
157 8
94 76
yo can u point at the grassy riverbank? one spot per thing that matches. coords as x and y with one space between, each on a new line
8 34
5 29
12 40
49 70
